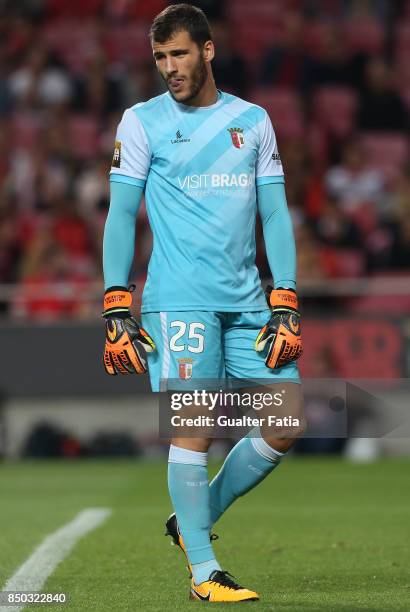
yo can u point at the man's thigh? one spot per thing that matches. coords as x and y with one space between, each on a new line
189 348
278 399
241 360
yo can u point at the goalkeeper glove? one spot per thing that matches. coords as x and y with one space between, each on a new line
125 341
281 335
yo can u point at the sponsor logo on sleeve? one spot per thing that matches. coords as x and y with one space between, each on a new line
116 158
276 158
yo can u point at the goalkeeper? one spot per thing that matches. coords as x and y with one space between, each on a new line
206 162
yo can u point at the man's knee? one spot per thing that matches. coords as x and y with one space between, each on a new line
200 445
282 439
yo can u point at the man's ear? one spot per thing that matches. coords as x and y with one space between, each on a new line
208 51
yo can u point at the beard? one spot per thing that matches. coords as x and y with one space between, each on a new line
198 78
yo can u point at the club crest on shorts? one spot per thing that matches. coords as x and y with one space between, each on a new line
185 368
238 139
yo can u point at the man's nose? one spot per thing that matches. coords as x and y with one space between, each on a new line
170 65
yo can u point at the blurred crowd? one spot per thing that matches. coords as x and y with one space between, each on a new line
333 74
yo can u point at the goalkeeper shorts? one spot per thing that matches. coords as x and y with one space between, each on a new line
208 346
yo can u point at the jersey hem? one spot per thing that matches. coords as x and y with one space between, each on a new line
207 308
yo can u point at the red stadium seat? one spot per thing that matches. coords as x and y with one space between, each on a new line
74 42
257 10
344 263
77 8
365 217
366 35
129 44
399 303
84 136
317 144
256 37
402 78
142 10
26 129
403 39
386 152
314 38
376 304
283 107
334 109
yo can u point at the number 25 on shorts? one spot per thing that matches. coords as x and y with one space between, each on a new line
189 336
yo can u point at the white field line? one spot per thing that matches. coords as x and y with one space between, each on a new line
34 572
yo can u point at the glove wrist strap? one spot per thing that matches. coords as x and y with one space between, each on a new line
117 300
283 298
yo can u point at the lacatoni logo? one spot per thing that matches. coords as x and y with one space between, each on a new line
207 181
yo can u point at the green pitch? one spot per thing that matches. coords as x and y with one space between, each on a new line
317 535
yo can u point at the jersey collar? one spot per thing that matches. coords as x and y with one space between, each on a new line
192 109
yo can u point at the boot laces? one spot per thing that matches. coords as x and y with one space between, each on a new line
224 579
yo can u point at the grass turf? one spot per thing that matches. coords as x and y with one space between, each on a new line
317 535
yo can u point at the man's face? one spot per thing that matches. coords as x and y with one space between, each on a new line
181 64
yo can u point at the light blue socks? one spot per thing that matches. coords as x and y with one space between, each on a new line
199 505
189 491
248 463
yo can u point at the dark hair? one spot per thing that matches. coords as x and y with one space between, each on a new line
181 17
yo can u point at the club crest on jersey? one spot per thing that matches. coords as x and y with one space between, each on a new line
238 139
185 368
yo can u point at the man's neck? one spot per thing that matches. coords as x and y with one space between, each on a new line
207 96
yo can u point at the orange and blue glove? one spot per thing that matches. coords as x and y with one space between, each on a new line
126 342
280 337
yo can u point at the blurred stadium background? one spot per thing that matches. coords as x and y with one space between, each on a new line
334 76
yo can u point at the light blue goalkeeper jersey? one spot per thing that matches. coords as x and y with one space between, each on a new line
199 168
